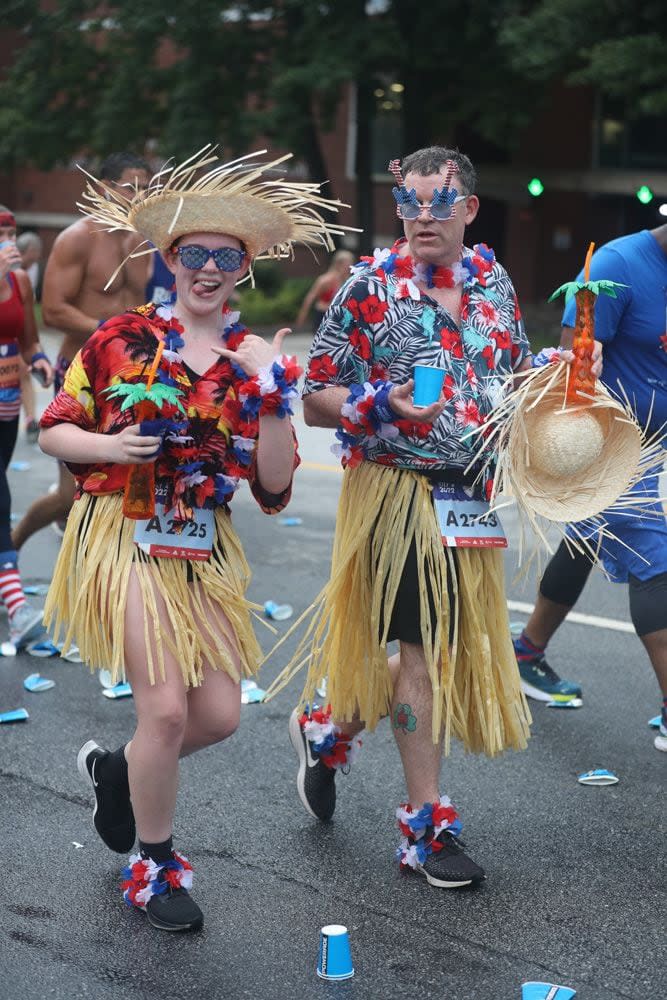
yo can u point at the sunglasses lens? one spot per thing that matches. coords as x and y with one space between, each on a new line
409 212
228 259
441 212
193 257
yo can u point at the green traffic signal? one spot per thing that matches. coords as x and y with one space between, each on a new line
644 194
536 187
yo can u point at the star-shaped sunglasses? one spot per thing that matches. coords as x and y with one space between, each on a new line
225 258
441 208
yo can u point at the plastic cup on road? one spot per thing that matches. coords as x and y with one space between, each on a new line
335 958
428 385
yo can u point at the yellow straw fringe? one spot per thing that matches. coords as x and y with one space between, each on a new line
476 688
88 597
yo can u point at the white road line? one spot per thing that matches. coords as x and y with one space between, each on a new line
574 616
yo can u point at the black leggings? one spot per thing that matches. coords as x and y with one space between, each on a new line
566 575
8 432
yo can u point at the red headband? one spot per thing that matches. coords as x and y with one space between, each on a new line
7 219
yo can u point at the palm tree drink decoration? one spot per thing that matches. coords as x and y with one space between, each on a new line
139 497
581 383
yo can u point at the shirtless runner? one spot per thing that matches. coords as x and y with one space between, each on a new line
74 300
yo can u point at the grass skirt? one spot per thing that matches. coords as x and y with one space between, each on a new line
476 687
88 596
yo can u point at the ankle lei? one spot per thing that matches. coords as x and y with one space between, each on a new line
143 878
332 747
420 830
475 265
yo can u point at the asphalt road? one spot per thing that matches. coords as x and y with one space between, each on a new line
575 873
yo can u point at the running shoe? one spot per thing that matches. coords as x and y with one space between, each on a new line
450 867
315 782
112 816
25 625
541 682
174 910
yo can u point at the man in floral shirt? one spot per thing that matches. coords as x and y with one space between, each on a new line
428 300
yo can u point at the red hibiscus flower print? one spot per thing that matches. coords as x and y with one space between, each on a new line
352 306
517 309
502 338
489 356
489 312
378 372
361 344
450 340
467 413
322 369
372 309
448 387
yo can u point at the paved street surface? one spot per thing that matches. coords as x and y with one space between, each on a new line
573 894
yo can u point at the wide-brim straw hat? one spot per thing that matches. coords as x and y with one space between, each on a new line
565 463
242 198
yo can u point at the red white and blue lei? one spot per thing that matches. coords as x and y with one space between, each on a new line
420 830
144 878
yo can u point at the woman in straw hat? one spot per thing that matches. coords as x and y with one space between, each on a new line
151 576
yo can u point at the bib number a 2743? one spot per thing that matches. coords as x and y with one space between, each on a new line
466 522
166 538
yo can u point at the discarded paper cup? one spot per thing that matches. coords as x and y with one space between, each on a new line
600 776
15 715
36 683
277 612
335 958
546 991
428 385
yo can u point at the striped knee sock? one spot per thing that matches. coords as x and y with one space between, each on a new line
11 591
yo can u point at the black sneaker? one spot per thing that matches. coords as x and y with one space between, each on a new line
112 816
174 910
450 867
315 782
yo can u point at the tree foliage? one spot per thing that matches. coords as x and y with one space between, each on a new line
613 45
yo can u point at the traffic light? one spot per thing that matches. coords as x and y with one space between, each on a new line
644 194
536 187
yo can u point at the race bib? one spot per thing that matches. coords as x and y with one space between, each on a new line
465 522
165 537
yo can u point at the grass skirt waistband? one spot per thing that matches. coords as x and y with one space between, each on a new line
476 686
88 596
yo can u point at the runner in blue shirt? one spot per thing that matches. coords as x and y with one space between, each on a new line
633 330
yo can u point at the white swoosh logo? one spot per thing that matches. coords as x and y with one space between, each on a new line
310 760
92 773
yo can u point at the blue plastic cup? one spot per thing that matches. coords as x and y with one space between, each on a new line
335 958
428 385
546 991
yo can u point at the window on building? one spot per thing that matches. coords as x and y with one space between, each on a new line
629 142
387 126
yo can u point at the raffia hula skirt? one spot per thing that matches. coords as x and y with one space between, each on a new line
88 596
476 686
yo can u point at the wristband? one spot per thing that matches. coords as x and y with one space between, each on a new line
39 356
271 390
364 417
546 356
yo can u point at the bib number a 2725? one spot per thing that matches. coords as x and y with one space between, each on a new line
466 522
166 538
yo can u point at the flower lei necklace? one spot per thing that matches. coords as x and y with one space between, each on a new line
408 273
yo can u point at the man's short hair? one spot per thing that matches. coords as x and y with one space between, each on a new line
26 240
431 161
112 168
